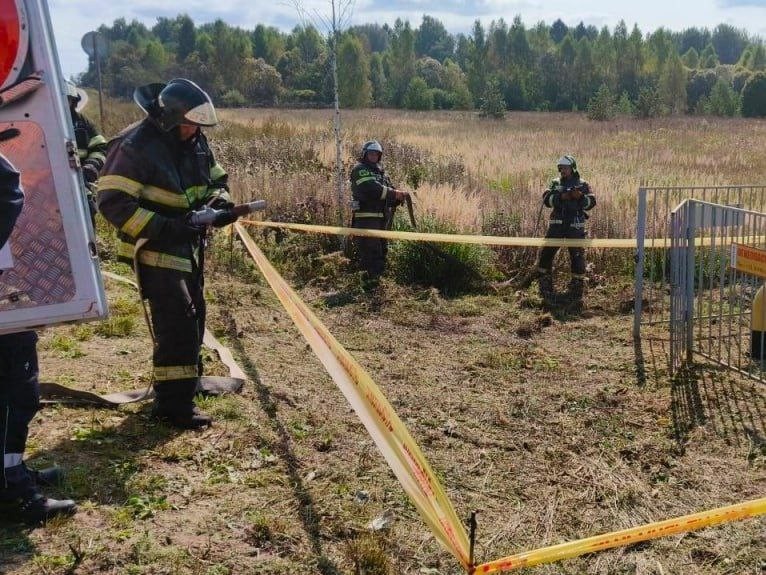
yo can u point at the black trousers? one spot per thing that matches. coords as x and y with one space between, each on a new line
177 305
576 255
19 391
371 252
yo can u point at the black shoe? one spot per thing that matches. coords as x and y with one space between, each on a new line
188 419
35 508
50 476
39 509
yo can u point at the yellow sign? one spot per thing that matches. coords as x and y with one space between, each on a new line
748 260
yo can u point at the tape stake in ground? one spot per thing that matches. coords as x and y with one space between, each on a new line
625 537
389 433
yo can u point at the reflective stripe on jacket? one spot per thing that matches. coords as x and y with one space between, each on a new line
371 189
149 178
91 146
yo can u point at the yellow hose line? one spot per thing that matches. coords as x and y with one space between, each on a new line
625 537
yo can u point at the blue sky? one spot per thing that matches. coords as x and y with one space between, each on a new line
73 18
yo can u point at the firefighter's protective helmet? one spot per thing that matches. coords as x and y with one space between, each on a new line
178 102
567 161
71 91
371 146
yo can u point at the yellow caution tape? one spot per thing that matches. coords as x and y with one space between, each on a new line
407 460
389 433
625 537
616 243
456 238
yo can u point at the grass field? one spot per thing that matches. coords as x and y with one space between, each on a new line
539 419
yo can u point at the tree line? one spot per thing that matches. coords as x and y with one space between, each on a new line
544 67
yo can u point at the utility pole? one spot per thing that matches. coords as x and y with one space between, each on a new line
340 16
338 154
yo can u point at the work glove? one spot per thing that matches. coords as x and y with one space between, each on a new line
181 231
573 194
400 197
221 204
89 173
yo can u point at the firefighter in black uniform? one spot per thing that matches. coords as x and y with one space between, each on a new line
91 146
570 197
156 173
374 201
20 497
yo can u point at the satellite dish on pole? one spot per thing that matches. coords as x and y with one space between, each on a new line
93 43
95 47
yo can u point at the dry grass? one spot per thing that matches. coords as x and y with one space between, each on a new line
508 163
537 420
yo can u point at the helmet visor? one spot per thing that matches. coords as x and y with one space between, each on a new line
202 115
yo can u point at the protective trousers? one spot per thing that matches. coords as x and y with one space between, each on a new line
177 305
576 255
371 251
19 400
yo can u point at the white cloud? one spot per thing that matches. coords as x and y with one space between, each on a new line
73 18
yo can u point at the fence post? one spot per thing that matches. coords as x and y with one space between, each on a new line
691 233
640 258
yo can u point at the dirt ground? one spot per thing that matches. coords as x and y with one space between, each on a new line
543 422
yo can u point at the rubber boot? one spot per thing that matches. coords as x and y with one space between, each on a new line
191 418
174 404
21 501
48 476
545 282
576 289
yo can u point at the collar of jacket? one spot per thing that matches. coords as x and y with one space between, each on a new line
569 182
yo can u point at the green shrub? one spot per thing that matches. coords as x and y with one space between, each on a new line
649 104
451 268
233 99
418 96
754 96
624 106
724 101
602 106
493 103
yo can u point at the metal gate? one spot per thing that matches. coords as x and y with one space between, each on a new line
652 304
711 302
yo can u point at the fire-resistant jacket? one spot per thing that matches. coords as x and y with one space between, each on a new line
371 189
11 199
149 178
568 212
91 146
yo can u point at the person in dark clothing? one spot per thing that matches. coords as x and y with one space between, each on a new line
570 197
374 201
91 146
156 173
20 496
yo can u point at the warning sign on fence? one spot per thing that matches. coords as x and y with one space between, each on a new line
748 260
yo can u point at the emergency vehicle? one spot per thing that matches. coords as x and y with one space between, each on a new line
50 267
